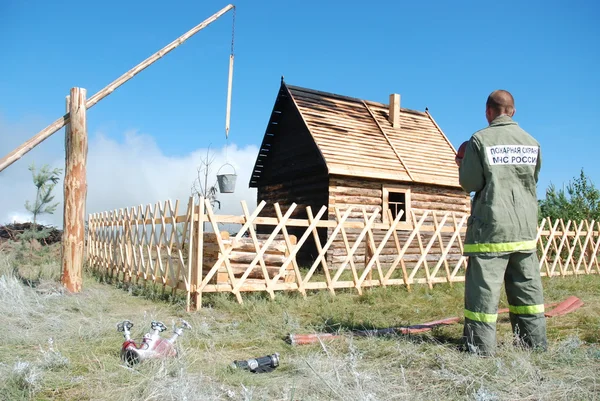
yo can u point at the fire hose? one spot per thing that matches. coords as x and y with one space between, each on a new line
558 309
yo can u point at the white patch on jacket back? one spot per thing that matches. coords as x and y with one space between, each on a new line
512 154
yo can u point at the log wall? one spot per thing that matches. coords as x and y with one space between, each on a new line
358 192
304 191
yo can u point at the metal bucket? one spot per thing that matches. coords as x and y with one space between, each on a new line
226 181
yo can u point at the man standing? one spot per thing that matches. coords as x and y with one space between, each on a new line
501 165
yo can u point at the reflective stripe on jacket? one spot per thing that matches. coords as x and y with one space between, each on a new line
501 165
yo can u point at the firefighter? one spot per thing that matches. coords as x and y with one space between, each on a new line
501 164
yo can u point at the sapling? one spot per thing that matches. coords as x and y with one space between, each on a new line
44 180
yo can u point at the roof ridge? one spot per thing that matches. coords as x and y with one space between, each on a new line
349 98
440 131
318 92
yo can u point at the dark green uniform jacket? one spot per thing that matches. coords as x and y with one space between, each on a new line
501 165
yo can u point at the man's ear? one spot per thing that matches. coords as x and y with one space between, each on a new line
513 112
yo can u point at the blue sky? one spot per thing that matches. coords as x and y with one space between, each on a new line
447 56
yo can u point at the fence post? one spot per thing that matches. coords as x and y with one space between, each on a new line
75 191
191 253
198 266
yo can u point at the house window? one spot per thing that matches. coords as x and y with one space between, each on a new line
396 199
397 204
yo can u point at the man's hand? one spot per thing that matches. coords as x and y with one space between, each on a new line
460 153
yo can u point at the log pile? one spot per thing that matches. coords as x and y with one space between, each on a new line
242 255
12 231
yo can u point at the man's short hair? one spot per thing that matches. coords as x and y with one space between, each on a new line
501 101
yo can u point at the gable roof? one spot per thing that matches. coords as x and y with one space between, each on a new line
356 139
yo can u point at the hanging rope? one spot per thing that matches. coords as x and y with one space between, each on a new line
227 181
233 30
231 57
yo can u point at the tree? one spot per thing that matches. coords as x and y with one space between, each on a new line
200 187
44 180
581 201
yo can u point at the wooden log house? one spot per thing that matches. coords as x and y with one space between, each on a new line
326 149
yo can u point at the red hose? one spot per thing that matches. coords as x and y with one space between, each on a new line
568 305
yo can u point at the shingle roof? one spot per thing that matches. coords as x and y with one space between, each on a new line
356 139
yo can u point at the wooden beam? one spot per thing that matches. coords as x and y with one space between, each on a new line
110 88
228 112
75 187
388 141
272 221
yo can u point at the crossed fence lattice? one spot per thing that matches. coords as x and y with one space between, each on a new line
157 245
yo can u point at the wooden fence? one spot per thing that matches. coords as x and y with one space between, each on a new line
188 252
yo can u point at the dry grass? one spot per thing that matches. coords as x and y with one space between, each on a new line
81 362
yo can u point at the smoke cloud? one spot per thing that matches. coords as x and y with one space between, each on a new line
120 174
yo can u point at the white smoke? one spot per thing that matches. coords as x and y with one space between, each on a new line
121 174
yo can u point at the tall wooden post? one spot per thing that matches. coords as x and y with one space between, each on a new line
76 148
199 265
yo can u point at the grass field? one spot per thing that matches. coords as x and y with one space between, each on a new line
81 362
